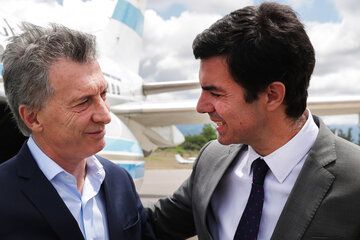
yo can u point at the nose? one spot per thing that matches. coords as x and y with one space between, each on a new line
102 112
203 105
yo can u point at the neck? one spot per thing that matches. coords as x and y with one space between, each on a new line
74 166
77 169
279 132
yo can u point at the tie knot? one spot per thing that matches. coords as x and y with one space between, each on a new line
260 169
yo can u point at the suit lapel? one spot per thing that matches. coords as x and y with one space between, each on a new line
45 198
309 190
115 210
222 160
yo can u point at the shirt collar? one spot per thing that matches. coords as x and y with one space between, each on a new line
51 169
282 161
46 164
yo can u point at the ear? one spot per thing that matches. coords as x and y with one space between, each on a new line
275 94
29 116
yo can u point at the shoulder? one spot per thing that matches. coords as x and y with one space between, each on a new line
343 156
214 154
214 150
8 169
347 155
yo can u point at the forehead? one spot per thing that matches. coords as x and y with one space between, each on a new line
66 75
215 71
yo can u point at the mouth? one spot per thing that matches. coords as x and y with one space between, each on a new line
219 123
97 133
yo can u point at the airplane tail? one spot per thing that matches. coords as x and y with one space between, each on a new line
121 40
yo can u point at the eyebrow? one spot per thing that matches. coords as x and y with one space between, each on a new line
83 97
211 88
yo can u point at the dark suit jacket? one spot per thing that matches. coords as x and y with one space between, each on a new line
323 204
30 207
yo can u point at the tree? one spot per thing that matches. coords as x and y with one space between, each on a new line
348 136
208 132
196 142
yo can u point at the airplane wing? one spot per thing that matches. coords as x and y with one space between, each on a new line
154 114
334 106
162 87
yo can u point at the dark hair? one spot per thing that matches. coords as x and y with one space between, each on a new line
263 44
28 57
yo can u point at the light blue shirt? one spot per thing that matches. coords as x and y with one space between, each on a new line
87 208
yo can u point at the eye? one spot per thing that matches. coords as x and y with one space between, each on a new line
214 94
103 95
83 102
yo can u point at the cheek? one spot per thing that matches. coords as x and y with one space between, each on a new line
75 122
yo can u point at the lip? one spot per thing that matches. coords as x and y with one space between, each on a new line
219 123
97 133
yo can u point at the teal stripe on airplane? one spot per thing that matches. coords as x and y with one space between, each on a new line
126 13
121 145
136 170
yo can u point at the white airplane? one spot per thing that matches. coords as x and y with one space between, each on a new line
138 126
182 160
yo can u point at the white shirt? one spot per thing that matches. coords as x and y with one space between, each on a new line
87 208
231 195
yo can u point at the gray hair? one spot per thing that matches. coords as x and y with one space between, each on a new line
28 57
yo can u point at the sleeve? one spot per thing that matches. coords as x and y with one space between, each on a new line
146 229
172 217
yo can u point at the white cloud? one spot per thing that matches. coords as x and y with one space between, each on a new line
337 71
201 6
168 45
90 16
348 8
299 3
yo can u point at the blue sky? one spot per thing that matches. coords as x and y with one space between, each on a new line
171 25
320 10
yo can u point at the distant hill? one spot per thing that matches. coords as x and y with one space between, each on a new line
190 129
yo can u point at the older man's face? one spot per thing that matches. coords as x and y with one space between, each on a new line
73 120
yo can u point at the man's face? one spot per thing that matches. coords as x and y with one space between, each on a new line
73 119
223 99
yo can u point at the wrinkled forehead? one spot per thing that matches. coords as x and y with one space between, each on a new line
68 77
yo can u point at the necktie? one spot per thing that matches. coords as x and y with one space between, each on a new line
248 227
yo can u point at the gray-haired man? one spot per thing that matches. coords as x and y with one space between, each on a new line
55 187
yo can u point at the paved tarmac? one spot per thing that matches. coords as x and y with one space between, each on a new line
161 183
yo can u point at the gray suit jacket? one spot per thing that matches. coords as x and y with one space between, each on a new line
323 204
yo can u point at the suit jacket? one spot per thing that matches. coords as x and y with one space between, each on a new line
323 204
30 207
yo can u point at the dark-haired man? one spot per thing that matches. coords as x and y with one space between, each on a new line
276 171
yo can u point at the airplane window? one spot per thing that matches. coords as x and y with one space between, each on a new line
112 88
118 89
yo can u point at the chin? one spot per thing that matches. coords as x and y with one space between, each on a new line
96 149
223 141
